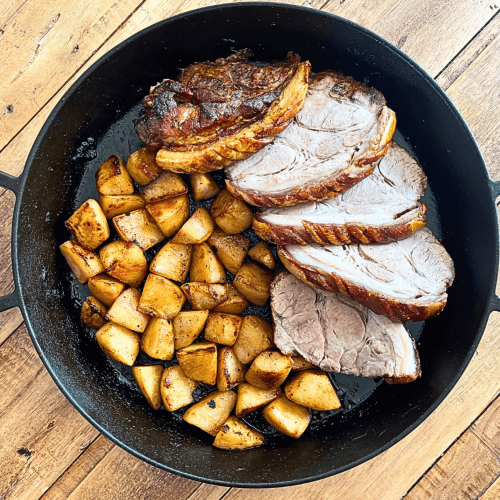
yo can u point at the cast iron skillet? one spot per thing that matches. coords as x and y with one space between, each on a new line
47 192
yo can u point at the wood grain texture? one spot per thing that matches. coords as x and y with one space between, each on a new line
487 427
208 492
493 492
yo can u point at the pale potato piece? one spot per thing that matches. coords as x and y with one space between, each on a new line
142 167
125 262
93 313
203 186
252 398
172 261
197 229
112 177
119 343
176 389
299 363
167 185
212 411
204 296
124 311
157 340
138 227
187 327
269 370
236 435
105 288
287 417
199 362
255 336
171 214
223 328
262 253
205 266
83 263
231 214
161 297
230 372
89 225
148 379
235 302
231 248
113 205
254 283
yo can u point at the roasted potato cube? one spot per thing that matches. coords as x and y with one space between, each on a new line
252 398
119 343
255 336
231 214
262 253
83 263
231 248
89 225
212 411
172 261
112 177
161 298
230 372
299 363
203 186
204 296
157 340
205 266
124 311
199 362
223 328
142 167
234 304
113 205
148 379
167 185
254 283
236 435
93 313
176 389
105 288
269 370
187 327
287 417
197 229
138 227
171 214
125 262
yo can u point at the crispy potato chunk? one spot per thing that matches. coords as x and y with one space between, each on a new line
157 340
167 185
142 167
89 225
148 379
171 214
231 249
236 435
187 327
112 177
124 311
205 266
254 282
204 296
138 227
203 186
197 229
161 298
299 363
212 411
119 343
252 398
262 253
83 263
93 313
105 288
287 417
176 389
172 261
230 372
125 262
223 328
269 370
231 214
255 336
113 205
199 362
235 302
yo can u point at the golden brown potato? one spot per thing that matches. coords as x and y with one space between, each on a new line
203 186
138 227
112 177
157 340
231 214
235 302
83 263
205 266
167 185
105 288
187 327
253 282
93 313
148 379
199 362
142 167
197 229
172 261
230 372
231 248
204 296
223 328
299 363
161 298
124 311
125 262
287 417
89 225
119 343
262 253
113 205
252 398
236 435
255 336
212 411
176 389
171 214
269 370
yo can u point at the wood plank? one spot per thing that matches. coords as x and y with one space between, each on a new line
208 492
493 492
487 427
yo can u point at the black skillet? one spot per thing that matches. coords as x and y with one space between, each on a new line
77 137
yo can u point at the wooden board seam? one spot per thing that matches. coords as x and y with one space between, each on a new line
9 336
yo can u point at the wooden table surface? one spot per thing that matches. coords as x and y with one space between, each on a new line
47 449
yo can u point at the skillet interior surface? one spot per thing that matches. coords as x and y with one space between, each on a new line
75 140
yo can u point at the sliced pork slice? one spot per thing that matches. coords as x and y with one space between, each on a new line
383 207
342 129
339 335
404 280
